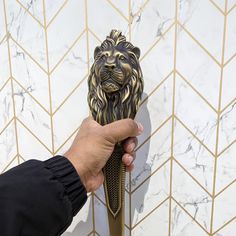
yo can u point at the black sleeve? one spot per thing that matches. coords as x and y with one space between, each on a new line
40 198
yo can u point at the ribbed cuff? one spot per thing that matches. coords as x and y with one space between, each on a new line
66 174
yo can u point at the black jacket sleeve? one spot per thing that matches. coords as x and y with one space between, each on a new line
40 198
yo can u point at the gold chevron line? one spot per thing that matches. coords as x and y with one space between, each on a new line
231 9
21 157
5 168
218 119
178 119
217 7
117 10
100 200
196 91
138 12
5 84
153 210
57 13
68 96
12 86
153 173
224 225
173 117
26 10
7 125
29 55
199 44
95 36
45 146
153 133
76 130
3 39
49 78
228 105
226 187
182 208
157 41
27 92
230 59
192 177
68 51
156 88
227 147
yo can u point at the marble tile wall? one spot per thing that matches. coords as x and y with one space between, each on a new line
184 180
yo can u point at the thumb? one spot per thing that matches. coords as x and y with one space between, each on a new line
122 129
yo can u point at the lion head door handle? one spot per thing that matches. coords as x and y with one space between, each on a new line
115 89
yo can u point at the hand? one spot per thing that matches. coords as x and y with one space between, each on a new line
94 144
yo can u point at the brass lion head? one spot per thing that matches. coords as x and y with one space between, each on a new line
115 80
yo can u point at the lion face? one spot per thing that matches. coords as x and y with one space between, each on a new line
114 69
115 81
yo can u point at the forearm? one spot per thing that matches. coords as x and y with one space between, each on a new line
40 198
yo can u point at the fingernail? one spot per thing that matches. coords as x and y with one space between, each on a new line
131 147
140 128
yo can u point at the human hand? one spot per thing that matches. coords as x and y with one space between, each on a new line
94 144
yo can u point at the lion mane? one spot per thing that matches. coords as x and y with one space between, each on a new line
124 103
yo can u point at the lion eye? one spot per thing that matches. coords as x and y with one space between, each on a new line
122 58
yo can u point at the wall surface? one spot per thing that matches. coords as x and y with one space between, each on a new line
184 180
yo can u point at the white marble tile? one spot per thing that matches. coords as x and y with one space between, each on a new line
82 223
155 224
194 14
189 195
29 146
193 157
158 63
69 73
4 63
122 6
35 7
14 162
2 21
101 220
231 3
230 42
33 79
226 168
27 32
228 84
182 224
52 7
198 68
195 114
225 208
149 24
227 131
32 115
6 110
150 194
7 146
65 29
69 117
155 110
108 17
228 230
152 155
220 3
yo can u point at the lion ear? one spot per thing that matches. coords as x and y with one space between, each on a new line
96 51
136 51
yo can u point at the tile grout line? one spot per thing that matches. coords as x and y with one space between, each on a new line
218 121
88 68
49 79
12 86
173 119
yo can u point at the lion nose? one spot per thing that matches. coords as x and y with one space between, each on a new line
110 66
